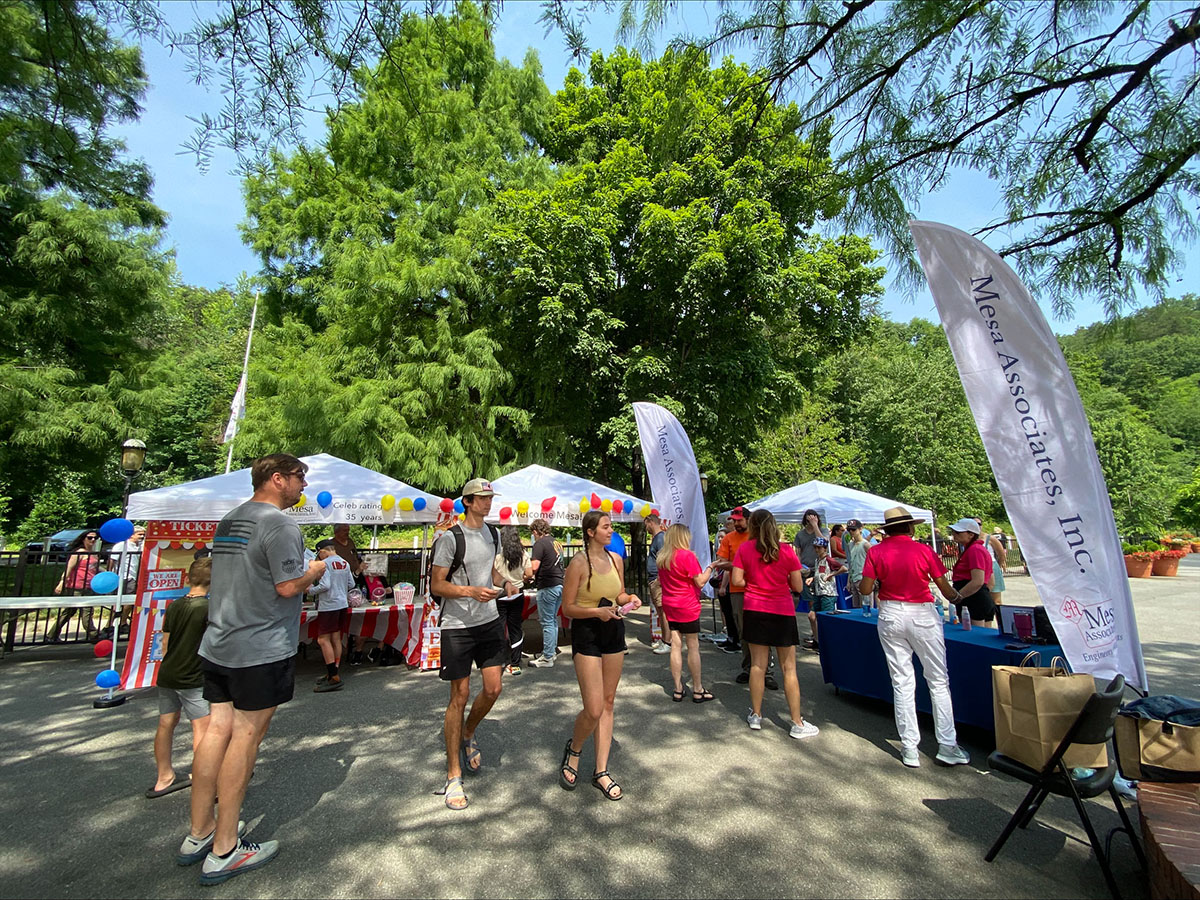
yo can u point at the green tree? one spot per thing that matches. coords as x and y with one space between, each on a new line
379 352
1187 503
904 407
80 267
1085 114
675 258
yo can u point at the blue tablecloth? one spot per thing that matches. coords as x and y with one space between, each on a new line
852 659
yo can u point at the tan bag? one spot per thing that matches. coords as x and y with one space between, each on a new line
1154 750
1034 706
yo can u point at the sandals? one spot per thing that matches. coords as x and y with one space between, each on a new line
677 696
177 785
611 792
573 782
455 794
470 752
701 696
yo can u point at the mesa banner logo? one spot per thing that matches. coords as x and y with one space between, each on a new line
1097 623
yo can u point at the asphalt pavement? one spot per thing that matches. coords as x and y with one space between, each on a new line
345 782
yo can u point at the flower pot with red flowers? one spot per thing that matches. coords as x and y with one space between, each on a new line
1167 563
1139 564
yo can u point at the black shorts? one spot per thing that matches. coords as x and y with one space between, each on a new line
769 629
692 627
331 620
484 645
980 604
252 687
591 637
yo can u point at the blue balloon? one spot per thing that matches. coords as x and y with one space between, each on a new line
109 678
419 503
116 530
324 499
105 582
458 506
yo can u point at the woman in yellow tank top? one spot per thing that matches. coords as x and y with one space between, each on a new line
593 594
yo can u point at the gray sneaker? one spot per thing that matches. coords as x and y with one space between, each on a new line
542 663
658 648
910 758
243 858
755 722
192 850
952 755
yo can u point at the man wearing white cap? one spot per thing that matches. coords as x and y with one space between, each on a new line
908 623
463 572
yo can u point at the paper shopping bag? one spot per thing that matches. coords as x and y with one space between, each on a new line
1034 706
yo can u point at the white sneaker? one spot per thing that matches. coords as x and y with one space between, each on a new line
952 755
192 850
244 857
910 758
807 730
659 648
541 662
755 722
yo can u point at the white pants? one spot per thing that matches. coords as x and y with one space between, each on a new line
904 629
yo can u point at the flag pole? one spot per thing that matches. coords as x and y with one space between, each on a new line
239 410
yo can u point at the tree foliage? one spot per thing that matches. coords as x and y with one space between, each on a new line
674 258
1085 114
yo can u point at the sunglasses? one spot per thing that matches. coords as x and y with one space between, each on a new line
90 537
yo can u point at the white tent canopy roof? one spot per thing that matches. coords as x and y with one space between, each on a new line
534 484
356 492
835 504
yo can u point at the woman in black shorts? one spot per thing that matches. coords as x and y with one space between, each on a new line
769 573
972 572
593 592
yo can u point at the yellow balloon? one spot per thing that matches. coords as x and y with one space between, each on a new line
302 501
462 517
645 510
584 505
522 507
606 505
387 501
406 503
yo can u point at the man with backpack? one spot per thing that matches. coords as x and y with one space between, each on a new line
462 577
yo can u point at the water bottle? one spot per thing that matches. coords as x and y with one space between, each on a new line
866 606
966 621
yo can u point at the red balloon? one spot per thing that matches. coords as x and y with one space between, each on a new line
102 649
505 512
447 505
618 506
548 504
654 512
595 501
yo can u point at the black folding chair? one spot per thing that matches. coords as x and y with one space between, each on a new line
1093 726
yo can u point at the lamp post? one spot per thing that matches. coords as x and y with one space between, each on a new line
133 455
703 482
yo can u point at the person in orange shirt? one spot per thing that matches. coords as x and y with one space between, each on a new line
724 561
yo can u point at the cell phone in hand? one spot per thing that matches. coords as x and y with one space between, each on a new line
626 609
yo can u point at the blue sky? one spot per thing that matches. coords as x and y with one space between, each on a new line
206 208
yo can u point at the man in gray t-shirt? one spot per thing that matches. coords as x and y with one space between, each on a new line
471 631
248 655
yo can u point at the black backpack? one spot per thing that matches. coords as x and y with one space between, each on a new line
460 552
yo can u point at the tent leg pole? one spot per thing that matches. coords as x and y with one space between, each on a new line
424 550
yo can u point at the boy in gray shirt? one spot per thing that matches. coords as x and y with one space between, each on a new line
471 631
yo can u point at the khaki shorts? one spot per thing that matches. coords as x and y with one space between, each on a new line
190 700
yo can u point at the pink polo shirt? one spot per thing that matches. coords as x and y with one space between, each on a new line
680 596
903 569
974 557
767 587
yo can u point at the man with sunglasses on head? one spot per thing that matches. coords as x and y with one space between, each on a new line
248 655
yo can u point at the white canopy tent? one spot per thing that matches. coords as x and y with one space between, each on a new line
356 492
536 484
833 502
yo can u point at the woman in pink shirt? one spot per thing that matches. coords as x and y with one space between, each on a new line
769 573
972 572
680 576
